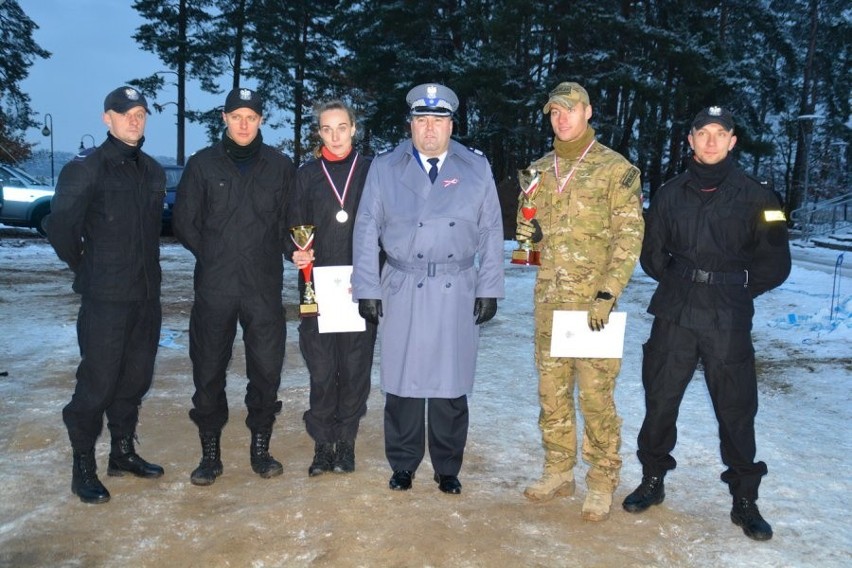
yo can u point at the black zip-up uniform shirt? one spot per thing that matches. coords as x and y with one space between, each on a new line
235 223
315 203
726 230
105 222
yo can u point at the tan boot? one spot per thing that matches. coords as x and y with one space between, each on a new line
596 506
550 485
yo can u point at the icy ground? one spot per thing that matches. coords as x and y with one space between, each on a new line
805 364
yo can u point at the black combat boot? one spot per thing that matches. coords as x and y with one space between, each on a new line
745 514
323 459
650 492
262 463
84 478
211 462
344 457
123 459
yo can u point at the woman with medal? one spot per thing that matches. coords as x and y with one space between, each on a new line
328 189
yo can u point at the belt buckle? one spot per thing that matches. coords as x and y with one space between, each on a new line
701 276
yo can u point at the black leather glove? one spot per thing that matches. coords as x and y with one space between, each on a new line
528 231
599 311
370 310
484 309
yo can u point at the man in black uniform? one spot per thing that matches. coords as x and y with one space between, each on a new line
230 213
714 240
328 190
105 224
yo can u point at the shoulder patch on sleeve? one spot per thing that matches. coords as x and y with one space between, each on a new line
770 215
630 176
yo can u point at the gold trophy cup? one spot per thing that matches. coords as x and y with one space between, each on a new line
526 253
303 238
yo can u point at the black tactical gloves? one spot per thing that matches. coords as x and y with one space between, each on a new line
370 310
599 311
484 309
528 231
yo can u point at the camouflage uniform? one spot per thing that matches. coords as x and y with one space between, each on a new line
592 238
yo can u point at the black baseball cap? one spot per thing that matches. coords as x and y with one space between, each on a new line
123 99
712 114
243 98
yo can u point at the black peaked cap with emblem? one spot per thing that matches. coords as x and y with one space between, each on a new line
243 98
123 99
711 115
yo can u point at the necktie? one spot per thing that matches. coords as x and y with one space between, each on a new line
433 171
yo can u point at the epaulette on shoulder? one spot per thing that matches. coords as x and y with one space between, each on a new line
762 182
310 160
383 152
475 151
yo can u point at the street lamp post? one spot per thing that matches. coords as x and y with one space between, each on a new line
83 137
48 131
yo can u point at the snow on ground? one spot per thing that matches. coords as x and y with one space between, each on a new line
804 355
804 366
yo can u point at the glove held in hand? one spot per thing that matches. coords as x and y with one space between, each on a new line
484 309
370 310
599 311
528 231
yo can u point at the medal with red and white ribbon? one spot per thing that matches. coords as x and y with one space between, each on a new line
342 216
573 169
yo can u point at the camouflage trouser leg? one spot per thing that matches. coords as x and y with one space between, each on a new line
602 431
557 417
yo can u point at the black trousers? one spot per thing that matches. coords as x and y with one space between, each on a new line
339 365
212 330
118 345
670 359
405 432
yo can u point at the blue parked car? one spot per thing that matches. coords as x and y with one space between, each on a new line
173 174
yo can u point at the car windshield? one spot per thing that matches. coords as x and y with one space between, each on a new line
11 174
173 176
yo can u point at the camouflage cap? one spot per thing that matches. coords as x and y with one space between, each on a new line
566 94
712 114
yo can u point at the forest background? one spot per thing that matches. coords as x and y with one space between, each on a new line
781 66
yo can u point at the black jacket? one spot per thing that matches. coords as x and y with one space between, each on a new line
105 222
728 231
234 223
314 203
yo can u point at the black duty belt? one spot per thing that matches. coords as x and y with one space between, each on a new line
699 276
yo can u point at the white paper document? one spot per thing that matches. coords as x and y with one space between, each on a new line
573 338
337 312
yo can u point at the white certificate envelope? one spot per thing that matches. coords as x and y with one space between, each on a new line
573 338
338 313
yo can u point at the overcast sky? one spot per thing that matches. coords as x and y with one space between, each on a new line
93 52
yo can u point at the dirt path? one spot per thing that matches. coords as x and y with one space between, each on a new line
292 520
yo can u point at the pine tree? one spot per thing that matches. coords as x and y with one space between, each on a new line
18 52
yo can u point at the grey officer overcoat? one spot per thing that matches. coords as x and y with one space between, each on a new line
444 246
